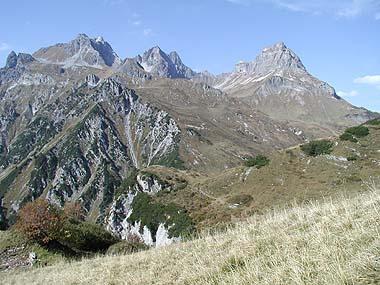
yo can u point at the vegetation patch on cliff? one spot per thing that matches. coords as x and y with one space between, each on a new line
152 214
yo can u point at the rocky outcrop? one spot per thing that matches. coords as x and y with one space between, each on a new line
14 60
92 80
119 221
3 220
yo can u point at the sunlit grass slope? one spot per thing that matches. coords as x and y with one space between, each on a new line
330 242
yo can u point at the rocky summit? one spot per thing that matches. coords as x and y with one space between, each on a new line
122 136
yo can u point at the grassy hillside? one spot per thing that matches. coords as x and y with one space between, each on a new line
291 176
335 241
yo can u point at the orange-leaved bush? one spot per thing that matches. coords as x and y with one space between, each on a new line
74 211
40 221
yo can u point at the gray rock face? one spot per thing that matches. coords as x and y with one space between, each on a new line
92 80
276 57
82 51
160 64
132 68
182 70
11 60
14 60
3 222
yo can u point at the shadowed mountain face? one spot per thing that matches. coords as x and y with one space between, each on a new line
77 123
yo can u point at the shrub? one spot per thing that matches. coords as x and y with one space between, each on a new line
258 161
352 134
241 199
315 148
74 211
358 132
3 220
348 137
45 224
85 236
374 122
131 245
352 158
40 221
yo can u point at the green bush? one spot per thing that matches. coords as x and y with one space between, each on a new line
3 220
352 134
258 161
315 148
352 158
241 199
126 247
85 236
348 137
374 122
358 132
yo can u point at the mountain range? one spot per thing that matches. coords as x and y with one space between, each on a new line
78 123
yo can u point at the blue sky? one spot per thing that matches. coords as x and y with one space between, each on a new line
338 41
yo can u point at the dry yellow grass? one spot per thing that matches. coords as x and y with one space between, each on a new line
330 242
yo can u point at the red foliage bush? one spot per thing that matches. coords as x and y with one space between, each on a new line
74 211
40 221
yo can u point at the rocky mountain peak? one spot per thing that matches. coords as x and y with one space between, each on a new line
11 60
14 60
154 56
81 51
276 57
174 56
157 62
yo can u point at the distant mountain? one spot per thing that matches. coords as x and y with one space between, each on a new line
278 84
82 51
158 63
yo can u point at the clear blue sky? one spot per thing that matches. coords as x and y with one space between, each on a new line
337 40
